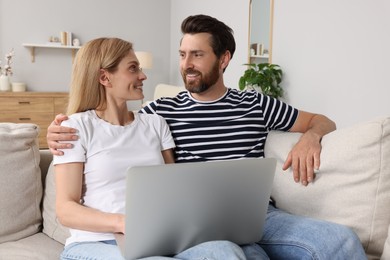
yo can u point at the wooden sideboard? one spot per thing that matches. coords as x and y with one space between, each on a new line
32 107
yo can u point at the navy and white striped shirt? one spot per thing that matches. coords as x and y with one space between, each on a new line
232 127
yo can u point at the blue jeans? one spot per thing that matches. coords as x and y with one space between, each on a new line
285 236
104 250
290 237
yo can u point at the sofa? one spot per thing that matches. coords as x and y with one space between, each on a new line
352 188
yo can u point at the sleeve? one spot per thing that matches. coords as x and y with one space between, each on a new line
277 114
150 108
78 152
166 138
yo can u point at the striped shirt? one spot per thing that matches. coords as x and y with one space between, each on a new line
232 127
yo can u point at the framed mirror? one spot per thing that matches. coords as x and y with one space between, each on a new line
260 31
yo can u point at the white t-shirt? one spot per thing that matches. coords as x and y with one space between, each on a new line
107 151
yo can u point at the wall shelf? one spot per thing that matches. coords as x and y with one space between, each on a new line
32 47
264 56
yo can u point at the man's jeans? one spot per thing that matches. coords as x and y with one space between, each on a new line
289 236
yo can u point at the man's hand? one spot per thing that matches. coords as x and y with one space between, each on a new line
304 158
56 132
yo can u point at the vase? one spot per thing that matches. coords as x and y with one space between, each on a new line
5 83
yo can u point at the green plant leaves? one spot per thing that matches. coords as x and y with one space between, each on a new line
265 75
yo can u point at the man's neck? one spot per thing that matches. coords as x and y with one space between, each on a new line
213 93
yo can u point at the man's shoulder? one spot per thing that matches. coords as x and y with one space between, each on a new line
167 102
239 96
243 93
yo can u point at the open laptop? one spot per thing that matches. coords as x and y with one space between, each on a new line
172 207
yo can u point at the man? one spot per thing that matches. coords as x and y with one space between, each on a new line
212 122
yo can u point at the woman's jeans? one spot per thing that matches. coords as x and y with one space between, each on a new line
108 250
285 236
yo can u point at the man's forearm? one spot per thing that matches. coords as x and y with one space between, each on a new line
320 125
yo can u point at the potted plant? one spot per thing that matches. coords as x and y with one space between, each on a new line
264 78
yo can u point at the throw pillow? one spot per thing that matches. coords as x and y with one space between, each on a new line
20 181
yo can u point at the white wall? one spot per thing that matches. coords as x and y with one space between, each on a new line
335 55
146 23
235 13
152 25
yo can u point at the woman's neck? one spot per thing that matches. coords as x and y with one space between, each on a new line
116 115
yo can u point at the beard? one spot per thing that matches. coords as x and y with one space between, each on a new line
203 81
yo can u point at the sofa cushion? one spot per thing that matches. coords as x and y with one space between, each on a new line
38 246
51 226
353 186
20 181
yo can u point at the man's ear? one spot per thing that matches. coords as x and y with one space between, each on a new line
225 59
103 78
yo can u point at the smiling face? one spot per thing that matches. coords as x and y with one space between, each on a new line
199 66
127 80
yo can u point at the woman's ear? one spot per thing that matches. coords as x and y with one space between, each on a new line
104 79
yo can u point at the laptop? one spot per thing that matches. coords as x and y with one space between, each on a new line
172 207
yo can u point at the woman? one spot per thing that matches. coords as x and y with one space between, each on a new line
90 178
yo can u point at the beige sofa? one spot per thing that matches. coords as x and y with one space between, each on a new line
353 188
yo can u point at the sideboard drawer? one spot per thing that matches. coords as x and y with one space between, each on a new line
38 108
27 117
27 104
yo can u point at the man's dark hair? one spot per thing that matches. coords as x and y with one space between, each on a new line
222 38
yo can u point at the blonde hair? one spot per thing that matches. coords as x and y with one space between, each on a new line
86 92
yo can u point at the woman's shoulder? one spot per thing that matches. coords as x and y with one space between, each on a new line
149 117
154 119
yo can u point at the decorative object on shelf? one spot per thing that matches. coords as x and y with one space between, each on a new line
19 86
54 39
6 72
264 78
260 49
63 37
66 38
76 42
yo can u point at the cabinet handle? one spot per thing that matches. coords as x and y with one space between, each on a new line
25 119
24 103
